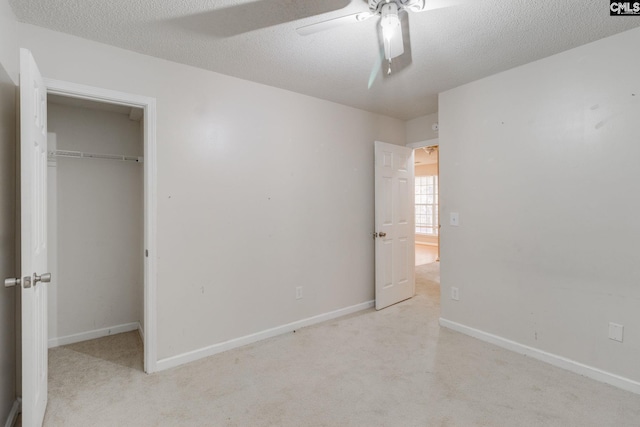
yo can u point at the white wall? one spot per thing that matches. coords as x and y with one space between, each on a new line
420 128
260 190
8 77
99 230
541 162
8 40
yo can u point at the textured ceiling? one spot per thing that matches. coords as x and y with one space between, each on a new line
256 40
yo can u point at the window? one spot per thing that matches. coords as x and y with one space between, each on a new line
427 205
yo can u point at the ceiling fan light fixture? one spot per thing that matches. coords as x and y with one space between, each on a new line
390 23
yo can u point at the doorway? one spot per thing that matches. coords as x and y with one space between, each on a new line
135 303
427 230
96 220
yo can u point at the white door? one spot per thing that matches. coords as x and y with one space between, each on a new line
395 218
33 239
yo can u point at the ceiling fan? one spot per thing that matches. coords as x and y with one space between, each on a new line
389 12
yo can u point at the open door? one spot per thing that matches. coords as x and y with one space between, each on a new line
394 221
33 240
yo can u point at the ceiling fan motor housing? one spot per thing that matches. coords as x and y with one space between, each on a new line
413 5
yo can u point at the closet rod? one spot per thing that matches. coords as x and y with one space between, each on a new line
83 155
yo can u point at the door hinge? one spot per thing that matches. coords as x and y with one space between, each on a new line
146 253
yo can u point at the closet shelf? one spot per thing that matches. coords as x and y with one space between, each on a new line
83 155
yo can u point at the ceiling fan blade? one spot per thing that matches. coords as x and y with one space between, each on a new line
375 71
332 23
251 15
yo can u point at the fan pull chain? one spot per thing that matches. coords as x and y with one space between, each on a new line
389 70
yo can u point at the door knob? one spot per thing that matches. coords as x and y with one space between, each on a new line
382 234
45 278
11 282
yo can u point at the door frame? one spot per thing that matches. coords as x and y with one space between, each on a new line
73 90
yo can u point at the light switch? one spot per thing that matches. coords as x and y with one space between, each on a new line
616 332
454 219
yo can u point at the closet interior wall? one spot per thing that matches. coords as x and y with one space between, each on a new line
96 223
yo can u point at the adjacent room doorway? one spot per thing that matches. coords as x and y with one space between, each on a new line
427 221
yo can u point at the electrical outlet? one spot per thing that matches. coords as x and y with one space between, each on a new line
616 332
455 294
299 292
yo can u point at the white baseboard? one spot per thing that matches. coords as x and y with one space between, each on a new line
91 335
553 359
192 356
13 414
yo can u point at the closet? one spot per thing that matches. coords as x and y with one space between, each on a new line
95 219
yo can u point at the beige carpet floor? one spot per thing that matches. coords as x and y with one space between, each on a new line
395 367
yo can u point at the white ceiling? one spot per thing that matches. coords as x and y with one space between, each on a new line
253 40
